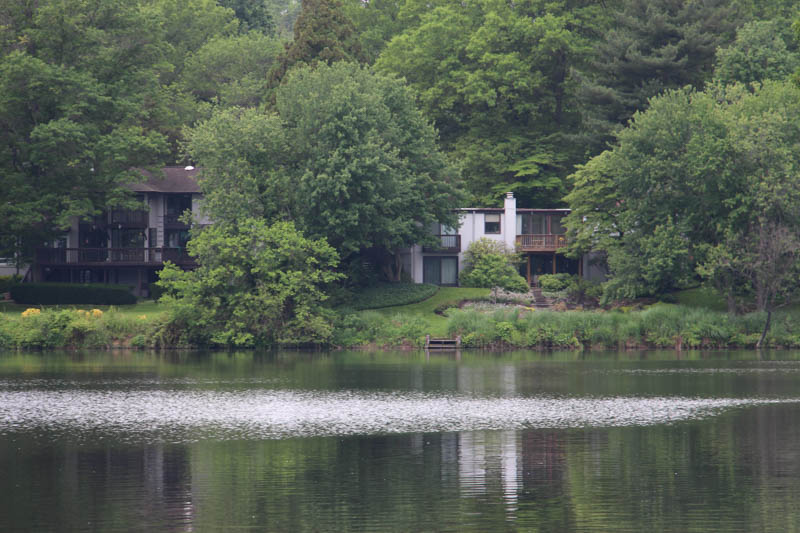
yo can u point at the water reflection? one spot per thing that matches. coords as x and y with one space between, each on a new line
574 445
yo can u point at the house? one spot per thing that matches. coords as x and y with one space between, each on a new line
536 233
130 246
124 245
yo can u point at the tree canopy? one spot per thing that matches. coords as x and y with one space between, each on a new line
346 156
696 172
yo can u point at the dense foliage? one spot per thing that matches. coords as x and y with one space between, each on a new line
257 284
489 264
702 184
668 126
346 157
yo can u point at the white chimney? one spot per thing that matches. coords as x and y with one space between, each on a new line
510 221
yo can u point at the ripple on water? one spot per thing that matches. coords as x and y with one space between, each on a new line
182 416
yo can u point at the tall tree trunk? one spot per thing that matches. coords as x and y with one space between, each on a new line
731 301
766 328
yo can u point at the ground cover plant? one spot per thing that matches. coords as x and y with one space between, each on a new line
391 295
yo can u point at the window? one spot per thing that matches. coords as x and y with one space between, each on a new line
176 238
440 270
491 223
555 226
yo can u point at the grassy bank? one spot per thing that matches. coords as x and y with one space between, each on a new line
659 326
78 326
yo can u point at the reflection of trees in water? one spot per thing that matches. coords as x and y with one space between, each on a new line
69 487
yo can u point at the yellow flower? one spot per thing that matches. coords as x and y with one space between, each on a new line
97 313
82 312
31 312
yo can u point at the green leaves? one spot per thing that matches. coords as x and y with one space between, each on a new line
257 284
489 264
347 157
696 171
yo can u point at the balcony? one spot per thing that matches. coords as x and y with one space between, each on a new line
541 242
449 244
129 218
112 256
173 221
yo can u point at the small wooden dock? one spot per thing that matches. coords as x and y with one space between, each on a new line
442 344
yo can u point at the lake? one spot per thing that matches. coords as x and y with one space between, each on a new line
400 441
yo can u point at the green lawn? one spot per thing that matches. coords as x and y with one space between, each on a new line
146 307
705 297
425 309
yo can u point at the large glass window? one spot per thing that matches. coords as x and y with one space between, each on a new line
491 223
176 238
178 203
440 270
127 238
555 226
531 224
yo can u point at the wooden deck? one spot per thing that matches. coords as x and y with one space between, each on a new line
541 243
112 256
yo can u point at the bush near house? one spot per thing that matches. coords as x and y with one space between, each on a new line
6 282
490 265
71 293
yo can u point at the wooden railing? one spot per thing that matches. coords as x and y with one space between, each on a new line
541 242
129 218
112 256
447 244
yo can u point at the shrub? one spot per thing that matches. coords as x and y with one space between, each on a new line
6 282
390 295
554 282
71 293
489 264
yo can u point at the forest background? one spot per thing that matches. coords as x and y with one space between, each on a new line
668 126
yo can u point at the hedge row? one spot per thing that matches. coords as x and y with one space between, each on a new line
71 293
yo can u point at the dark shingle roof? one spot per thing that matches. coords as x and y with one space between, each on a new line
171 180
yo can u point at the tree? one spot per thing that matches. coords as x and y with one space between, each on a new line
322 34
758 53
79 90
252 14
494 77
653 46
346 157
701 181
256 284
489 264
231 71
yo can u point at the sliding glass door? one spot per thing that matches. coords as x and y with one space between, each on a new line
440 270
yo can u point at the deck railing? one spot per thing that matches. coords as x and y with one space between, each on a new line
130 218
447 244
541 242
112 256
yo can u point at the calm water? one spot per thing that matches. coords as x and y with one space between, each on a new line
399 442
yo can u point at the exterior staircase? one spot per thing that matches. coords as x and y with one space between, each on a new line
539 300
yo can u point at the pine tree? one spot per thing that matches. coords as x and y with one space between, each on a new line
656 45
322 33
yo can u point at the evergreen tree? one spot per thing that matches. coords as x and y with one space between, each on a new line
654 45
322 33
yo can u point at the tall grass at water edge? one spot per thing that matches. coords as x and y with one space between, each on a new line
660 326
